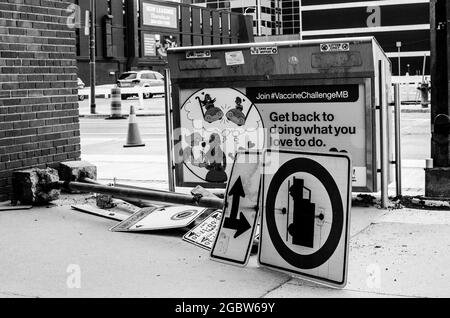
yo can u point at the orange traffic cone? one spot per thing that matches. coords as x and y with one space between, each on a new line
134 137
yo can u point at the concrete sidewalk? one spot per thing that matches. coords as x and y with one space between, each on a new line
398 253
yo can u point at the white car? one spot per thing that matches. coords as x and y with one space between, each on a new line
142 79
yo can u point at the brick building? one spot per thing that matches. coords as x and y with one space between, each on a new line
39 123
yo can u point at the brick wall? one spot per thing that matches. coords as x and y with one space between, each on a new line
39 123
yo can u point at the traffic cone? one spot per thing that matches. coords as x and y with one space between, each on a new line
134 137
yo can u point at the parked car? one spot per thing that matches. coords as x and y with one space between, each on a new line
80 85
142 79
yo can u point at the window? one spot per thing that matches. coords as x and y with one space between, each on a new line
148 76
128 76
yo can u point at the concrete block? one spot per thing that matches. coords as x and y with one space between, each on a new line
77 170
32 186
437 183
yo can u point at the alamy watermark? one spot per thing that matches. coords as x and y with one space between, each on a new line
73 280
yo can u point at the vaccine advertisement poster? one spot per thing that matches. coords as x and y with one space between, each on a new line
217 122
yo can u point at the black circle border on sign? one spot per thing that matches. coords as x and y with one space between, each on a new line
326 251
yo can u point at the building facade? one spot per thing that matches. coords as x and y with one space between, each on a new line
401 27
135 34
39 120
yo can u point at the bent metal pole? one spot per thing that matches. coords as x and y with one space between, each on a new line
150 195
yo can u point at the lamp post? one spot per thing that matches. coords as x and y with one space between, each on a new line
399 45
258 17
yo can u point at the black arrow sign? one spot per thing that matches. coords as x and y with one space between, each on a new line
241 225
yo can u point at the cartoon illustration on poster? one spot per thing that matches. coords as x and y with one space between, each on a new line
216 123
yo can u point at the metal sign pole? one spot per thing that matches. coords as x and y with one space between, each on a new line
143 194
169 135
383 135
92 57
399 45
398 151
300 19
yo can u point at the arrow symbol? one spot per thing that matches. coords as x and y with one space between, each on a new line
241 225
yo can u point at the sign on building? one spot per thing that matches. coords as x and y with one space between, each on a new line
159 16
149 44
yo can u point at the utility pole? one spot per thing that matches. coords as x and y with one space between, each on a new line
92 55
437 178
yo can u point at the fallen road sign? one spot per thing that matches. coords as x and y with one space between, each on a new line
203 234
151 219
306 215
237 229
113 214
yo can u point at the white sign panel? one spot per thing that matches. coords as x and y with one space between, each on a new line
237 229
203 54
203 235
160 219
160 16
266 50
149 44
317 118
310 118
334 47
305 215
234 58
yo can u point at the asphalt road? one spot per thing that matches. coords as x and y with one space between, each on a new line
102 144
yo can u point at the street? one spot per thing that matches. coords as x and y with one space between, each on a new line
102 144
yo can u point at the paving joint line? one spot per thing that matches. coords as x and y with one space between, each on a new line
276 287
360 291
